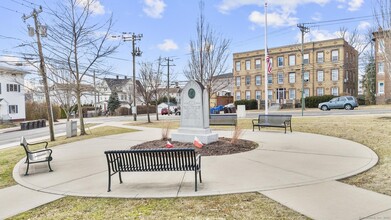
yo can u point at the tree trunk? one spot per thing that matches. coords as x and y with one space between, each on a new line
80 110
157 112
149 119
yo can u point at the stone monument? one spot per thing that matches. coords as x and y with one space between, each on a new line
194 115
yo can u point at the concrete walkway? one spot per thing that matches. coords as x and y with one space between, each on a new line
296 169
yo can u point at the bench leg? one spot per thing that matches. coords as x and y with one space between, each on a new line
109 186
200 176
50 168
120 177
27 170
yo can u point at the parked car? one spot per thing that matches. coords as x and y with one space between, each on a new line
342 102
165 111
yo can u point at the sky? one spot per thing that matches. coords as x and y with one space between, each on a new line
169 25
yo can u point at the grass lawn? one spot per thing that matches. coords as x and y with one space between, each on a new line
372 131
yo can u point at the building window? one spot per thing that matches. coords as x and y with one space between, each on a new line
237 95
280 78
380 67
292 77
280 61
334 55
292 94
306 58
258 64
320 75
269 79
334 91
270 94
248 80
238 81
237 66
319 91
13 109
320 57
380 45
248 94
258 80
292 60
334 75
13 88
248 64
306 76
381 87
258 95
306 93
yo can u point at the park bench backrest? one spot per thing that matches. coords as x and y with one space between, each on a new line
23 142
152 160
273 119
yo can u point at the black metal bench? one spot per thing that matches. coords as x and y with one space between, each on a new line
38 156
138 160
282 121
223 119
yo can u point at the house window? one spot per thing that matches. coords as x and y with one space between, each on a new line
380 67
381 87
320 75
13 109
319 56
248 94
258 80
319 91
237 95
13 88
237 66
270 94
248 80
306 93
248 64
306 76
334 55
258 64
280 61
292 77
258 95
269 79
238 81
280 78
292 94
334 91
334 75
306 58
292 60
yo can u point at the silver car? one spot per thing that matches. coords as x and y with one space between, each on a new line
342 102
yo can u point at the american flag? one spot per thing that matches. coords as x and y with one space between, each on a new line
269 64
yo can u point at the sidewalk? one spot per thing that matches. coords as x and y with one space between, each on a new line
296 169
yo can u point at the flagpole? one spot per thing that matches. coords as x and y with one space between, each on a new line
266 64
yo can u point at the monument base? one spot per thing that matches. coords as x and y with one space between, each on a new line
188 134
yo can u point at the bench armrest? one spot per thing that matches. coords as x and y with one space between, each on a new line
43 142
255 120
198 158
38 151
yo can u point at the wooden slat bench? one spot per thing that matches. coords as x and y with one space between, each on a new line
282 121
38 156
146 160
223 119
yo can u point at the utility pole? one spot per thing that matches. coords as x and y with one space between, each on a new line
95 95
303 30
135 52
41 30
168 77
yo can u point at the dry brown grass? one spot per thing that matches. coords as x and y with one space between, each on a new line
166 130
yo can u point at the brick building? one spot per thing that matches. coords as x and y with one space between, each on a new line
382 56
330 68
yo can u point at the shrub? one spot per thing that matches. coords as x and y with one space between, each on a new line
250 104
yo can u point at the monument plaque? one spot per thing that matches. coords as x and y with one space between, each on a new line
194 115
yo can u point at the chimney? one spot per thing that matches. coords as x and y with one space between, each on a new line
117 77
126 77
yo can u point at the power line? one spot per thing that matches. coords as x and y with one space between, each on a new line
11 9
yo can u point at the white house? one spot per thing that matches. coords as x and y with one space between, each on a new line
12 94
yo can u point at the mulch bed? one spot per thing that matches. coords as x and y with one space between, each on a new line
221 147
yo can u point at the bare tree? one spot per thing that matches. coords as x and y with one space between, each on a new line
146 84
208 54
79 44
358 41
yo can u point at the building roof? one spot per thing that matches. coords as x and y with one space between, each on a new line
116 84
12 70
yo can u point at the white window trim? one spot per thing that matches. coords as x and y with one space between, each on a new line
381 88
294 60
256 81
280 80
294 77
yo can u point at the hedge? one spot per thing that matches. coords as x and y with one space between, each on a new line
313 101
250 104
